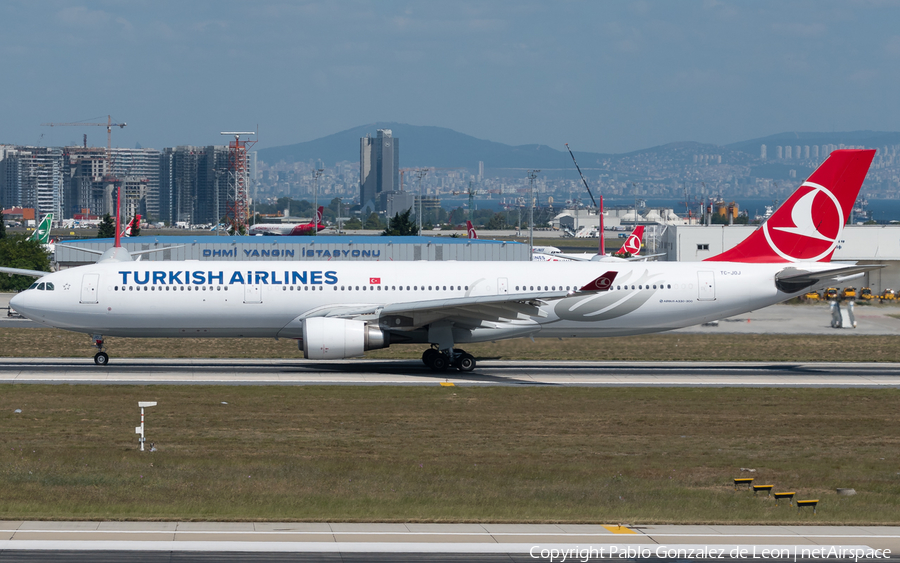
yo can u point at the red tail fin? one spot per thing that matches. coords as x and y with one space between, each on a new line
471 229
633 244
319 214
807 227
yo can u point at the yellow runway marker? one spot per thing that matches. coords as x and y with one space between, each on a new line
446 384
620 529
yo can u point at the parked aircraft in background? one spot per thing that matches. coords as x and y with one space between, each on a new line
470 228
133 226
41 233
341 309
290 229
631 250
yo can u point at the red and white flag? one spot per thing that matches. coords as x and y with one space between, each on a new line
375 281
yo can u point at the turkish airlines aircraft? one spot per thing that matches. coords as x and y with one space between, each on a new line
340 309
290 229
132 226
631 247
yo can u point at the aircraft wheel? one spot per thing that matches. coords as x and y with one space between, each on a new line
101 358
466 362
439 362
428 356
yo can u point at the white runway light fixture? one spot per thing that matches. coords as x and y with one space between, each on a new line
140 429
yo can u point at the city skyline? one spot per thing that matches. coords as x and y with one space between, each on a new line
605 77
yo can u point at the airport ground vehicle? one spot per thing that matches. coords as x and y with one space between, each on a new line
848 293
830 293
865 293
888 295
812 296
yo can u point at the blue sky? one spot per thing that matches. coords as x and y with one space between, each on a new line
603 76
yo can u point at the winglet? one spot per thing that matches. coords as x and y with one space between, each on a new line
603 283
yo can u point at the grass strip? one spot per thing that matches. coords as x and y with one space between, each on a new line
45 342
433 454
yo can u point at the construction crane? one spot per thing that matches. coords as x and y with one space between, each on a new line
109 125
110 177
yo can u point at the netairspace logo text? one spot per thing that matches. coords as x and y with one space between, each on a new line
792 553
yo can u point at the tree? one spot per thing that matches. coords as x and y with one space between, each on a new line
17 252
401 226
374 222
497 222
107 227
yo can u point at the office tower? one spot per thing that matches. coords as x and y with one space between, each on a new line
379 168
762 152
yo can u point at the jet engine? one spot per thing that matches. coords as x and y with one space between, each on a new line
327 338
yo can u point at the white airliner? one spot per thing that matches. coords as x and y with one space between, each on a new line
340 309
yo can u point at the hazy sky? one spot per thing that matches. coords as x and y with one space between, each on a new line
603 76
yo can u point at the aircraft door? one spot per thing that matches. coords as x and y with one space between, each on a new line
89 285
252 293
502 286
706 282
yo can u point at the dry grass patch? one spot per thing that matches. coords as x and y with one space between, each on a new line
446 454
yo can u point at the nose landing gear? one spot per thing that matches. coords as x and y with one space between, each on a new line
101 358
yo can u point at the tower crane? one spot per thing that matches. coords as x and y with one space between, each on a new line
109 125
110 177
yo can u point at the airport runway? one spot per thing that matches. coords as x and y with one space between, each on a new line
146 371
444 542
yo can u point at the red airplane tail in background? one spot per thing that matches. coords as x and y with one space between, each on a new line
132 226
312 227
807 227
471 230
633 243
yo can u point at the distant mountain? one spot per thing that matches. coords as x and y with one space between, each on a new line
871 139
427 146
422 146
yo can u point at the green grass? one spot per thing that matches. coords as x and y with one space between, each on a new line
42 343
631 455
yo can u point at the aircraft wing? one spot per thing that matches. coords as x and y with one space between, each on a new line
21 272
466 311
791 280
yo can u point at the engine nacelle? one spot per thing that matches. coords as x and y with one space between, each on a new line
327 338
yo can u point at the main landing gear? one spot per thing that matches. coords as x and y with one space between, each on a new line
439 361
101 358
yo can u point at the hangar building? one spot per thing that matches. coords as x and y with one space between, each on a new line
865 244
206 248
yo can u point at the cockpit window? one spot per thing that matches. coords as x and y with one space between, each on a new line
32 286
41 286
50 286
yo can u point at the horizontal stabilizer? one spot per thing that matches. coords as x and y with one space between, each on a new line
792 280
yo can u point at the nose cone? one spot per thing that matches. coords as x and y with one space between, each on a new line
19 302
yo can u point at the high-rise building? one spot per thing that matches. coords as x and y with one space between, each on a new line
140 164
33 177
779 152
762 152
193 184
787 152
379 168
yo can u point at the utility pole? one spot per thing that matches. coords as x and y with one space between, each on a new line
420 175
317 173
532 174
